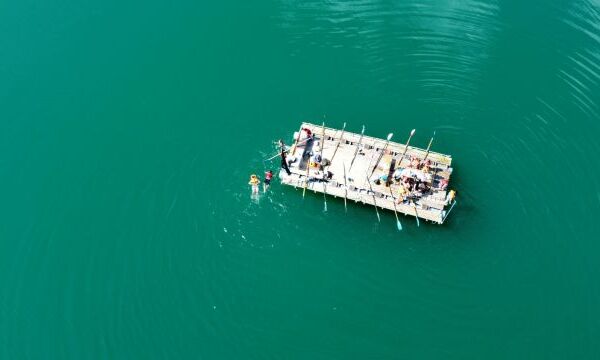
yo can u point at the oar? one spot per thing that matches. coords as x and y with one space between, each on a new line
389 137
398 225
345 190
306 181
429 146
373 193
338 144
448 213
307 174
405 147
357 147
416 214
296 141
287 151
276 155
324 179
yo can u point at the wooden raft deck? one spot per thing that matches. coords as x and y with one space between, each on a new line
431 206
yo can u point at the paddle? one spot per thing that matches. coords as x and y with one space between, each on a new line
429 146
405 148
296 141
389 137
306 181
345 190
398 225
357 147
448 213
324 178
307 172
373 193
338 144
276 155
416 214
287 151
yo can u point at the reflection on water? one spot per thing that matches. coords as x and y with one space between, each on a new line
442 45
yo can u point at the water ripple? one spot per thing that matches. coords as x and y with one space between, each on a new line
446 44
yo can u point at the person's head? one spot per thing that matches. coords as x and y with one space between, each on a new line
253 176
270 171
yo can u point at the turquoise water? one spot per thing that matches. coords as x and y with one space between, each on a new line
128 131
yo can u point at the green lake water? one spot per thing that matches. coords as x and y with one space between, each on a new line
128 131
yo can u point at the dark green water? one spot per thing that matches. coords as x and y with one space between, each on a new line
128 131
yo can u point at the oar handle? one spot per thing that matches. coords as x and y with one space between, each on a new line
429 147
405 149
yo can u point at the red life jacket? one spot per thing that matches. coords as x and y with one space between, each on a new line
268 175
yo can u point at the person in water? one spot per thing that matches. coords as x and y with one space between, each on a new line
267 183
254 183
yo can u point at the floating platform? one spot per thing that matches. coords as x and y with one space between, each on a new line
357 167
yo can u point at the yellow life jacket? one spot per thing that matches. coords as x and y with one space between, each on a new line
402 190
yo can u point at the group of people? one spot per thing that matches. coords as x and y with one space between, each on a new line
414 180
255 182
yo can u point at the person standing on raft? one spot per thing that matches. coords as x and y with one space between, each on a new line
254 183
267 183
284 164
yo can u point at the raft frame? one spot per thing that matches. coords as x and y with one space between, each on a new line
431 206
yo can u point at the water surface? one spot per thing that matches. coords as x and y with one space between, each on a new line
128 131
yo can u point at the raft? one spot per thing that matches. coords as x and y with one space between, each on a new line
351 161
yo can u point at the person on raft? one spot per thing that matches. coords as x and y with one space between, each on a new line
267 183
254 183
284 163
309 134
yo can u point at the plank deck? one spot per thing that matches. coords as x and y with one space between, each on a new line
430 207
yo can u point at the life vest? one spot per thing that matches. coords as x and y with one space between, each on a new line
254 180
402 191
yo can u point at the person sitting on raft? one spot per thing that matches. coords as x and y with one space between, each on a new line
308 132
380 179
397 174
414 162
443 184
254 183
402 194
315 160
